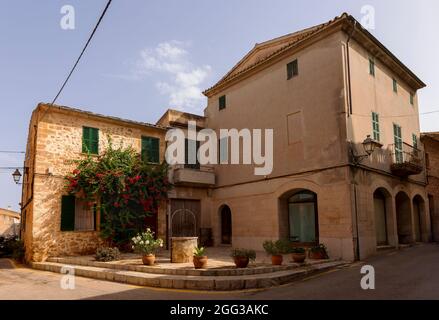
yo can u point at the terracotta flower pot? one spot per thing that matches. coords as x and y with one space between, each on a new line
200 262
298 257
148 259
241 262
276 260
318 255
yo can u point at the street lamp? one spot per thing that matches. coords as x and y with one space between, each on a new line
16 176
369 146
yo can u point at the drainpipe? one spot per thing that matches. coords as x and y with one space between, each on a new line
357 233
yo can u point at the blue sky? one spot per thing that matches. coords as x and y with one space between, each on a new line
151 55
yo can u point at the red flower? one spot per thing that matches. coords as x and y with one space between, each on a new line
116 205
76 172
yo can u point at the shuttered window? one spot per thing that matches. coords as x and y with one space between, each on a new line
397 136
84 216
412 99
151 149
371 67
415 140
222 102
376 126
191 159
90 140
292 69
395 86
76 215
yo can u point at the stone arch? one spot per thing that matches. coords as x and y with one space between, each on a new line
404 217
298 216
225 224
420 219
383 217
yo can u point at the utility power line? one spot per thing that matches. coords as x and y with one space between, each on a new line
4 151
83 50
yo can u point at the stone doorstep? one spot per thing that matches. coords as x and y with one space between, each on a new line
217 283
232 271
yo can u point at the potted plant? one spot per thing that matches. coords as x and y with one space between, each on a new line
242 257
277 249
298 254
147 245
318 252
200 259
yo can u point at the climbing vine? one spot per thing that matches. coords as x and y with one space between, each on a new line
125 189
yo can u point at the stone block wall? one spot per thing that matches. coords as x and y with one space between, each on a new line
58 141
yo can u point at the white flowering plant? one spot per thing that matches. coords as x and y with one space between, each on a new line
145 243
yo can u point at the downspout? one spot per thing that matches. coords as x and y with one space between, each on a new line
357 232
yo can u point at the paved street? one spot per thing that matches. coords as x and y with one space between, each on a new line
406 274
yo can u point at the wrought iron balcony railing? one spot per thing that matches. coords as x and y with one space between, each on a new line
406 160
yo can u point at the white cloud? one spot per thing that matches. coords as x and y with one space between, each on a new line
180 80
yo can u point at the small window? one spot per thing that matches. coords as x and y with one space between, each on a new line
395 86
76 215
292 69
415 140
222 102
223 150
412 99
371 67
151 149
90 140
191 159
376 126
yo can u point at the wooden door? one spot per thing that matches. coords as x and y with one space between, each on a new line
185 218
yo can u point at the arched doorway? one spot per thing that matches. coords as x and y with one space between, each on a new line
226 225
303 217
379 200
403 218
418 215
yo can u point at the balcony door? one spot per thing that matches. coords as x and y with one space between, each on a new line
397 136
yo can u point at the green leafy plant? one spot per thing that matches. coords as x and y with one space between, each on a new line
298 250
248 253
126 190
107 254
199 251
277 247
12 247
145 243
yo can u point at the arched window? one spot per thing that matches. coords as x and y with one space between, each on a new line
302 214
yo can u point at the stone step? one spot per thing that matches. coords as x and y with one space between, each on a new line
185 271
218 283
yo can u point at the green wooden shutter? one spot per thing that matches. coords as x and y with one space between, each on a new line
376 126
395 86
371 67
222 102
90 140
68 213
411 98
151 149
94 141
415 140
85 140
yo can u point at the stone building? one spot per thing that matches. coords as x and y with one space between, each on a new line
323 91
430 140
9 223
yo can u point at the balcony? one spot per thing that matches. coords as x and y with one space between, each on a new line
406 160
193 175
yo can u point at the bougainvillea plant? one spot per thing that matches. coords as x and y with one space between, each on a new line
126 190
